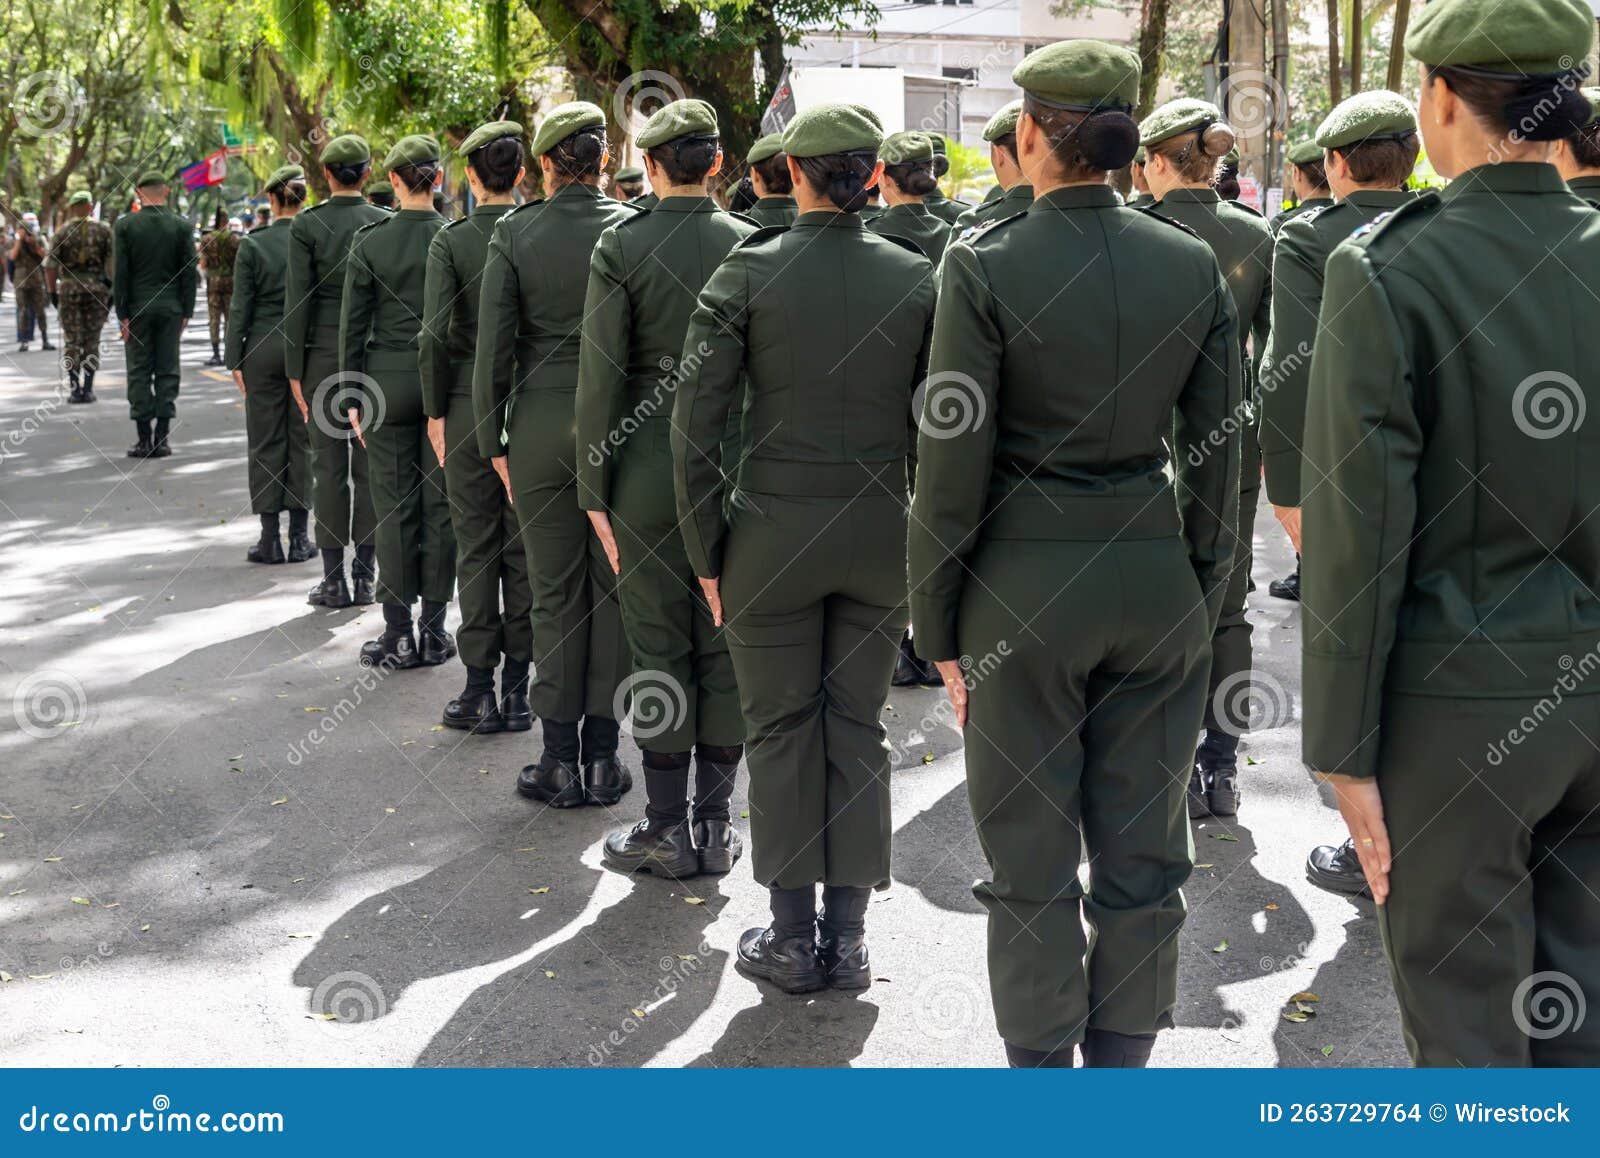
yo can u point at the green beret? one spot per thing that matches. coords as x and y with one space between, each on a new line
347 149
870 113
681 118
150 178
1085 75
1232 156
81 197
1003 122
1377 114
1140 156
1592 95
898 148
563 121
1174 117
938 142
1304 153
487 134
825 129
632 175
379 188
282 175
1529 37
416 149
768 146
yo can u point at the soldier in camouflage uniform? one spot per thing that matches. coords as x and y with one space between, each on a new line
218 250
78 275
27 275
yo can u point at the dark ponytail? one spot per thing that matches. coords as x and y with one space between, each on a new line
914 178
577 158
417 178
1549 107
1086 144
841 177
349 175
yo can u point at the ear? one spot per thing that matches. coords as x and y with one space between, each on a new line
877 176
796 175
1027 136
716 164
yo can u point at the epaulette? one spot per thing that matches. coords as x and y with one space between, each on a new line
524 205
1374 229
737 216
627 221
313 208
368 227
762 233
1251 209
982 229
905 243
1150 211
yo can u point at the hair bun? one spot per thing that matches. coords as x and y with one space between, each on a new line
1109 140
1531 115
1218 139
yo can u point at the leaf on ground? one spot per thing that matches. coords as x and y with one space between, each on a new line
639 1013
112 905
40 976
928 757
1327 1051
6 816
389 811
281 800
1271 907
16 892
315 709
144 928
1220 948
51 859
550 973
297 880
437 728
1305 996
301 936
687 957
528 849
1205 866
744 814
323 1016
1224 836
5 978
1251 761
1306 1007
540 891
235 759
1296 1016
694 900
80 900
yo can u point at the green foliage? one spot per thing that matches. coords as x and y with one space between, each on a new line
969 176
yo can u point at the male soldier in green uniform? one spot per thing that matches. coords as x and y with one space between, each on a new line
1309 180
381 194
1182 142
1017 194
524 382
491 567
78 273
1371 143
153 287
1452 627
908 171
1142 197
28 254
1578 157
644 278
319 240
769 177
380 320
947 209
218 251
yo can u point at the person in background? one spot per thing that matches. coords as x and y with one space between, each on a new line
628 185
769 178
78 276
263 218
1578 156
947 209
27 254
1016 194
1308 180
218 251
381 193
906 183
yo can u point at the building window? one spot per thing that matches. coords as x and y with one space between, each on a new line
960 73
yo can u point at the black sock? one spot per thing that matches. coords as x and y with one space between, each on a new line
714 772
397 617
297 522
600 738
560 740
666 787
432 621
514 677
363 567
332 563
479 681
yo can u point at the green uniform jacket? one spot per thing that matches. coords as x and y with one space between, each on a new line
319 239
918 225
81 256
380 319
1450 544
154 264
1586 187
260 273
1279 220
1083 451
644 278
648 201
807 407
456 259
1014 200
1298 260
530 308
773 210
946 209
1140 201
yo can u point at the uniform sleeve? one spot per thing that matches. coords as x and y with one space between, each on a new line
954 462
241 312
1286 369
121 272
188 271
1206 425
355 314
439 289
714 350
297 300
928 301
602 373
499 309
1363 442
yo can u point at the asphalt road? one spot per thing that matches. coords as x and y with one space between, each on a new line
223 844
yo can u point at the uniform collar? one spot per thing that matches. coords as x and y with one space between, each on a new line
910 209
685 204
1379 198
277 221
1020 192
1588 183
780 200
416 214
1078 197
822 219
576 190
1199 196
481 210
1315 203
346 199
1507 177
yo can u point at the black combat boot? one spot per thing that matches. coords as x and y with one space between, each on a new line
396 648
715 770
913 672
88 386
555 779
1337 869
605 777
364 571
268 549
1104 1050
1217 761
216 356
785 952
514 707
333 591
1289 586
75 395
1019 1058
161 445
660 843
476 709
841 937
141 448
437 645
300 548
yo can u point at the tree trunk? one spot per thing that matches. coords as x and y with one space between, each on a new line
1358 42
1152 55
1335 62
1397 46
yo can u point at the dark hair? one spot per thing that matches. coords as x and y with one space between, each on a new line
1548 107
383 197
1194 153
873 192
290 193
1007 142
775 173
1316 172
743 196
497 163
577 158
220 220
1386 162
1585 146
941 164
349 174
1226 180
913 178
417 178
841 177
1085 145
685 160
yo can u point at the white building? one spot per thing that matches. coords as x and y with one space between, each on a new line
975 43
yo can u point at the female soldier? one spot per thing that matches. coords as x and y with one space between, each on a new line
1015 194
907 181
280 452
490 564
831 323
1050 550
1451 551
1183 141
530 319
769 179
378 332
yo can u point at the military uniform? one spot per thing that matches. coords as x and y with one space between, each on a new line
491 567
319 241
1452 625
27 277
916 224
80 255
153 287
946 209
775 209
1309 205
1010 202
218 251
525 378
